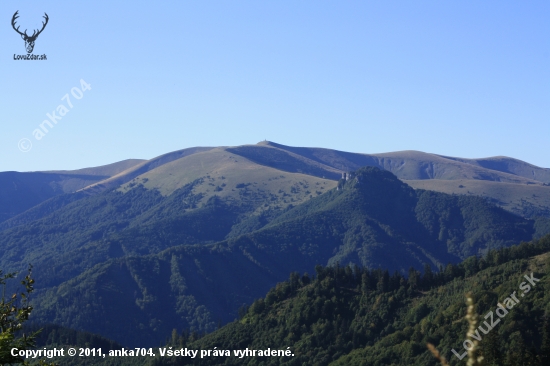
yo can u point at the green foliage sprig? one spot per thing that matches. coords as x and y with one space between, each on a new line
14 311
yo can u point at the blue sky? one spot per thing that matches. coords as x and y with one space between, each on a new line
459 78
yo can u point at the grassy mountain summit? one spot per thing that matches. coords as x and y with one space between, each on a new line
141 168
524 190
512 166
234 178
526 184
420 165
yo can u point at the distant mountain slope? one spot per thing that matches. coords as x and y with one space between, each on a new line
523 190
229 176
166 169
69 233
41 210
141 168
512 166
416 164
286 161
330 164
524 200
433 222
372 220
105 170
423 170
21 191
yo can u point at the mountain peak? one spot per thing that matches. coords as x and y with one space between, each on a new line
264 143
371 177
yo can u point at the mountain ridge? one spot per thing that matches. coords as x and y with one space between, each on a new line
22 191
420 170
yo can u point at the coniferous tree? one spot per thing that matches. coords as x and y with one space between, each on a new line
413 278
427 279
544 355
491 349
516 355
383 281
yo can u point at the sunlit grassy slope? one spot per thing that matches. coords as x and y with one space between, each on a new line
523 190
522 199
234 179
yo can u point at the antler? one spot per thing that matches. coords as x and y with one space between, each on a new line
35 34
43 25
15 16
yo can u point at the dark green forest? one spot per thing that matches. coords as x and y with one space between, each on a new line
343 315
352 316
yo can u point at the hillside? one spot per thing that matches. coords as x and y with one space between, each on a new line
512 166
187 238
141 168
522 178
526 200
108 170
416 164
349 316
22 191
352 316
144 276
72 233
232 178
425 171
175 169
525 189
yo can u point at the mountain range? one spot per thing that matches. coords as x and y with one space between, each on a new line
134 249
526 192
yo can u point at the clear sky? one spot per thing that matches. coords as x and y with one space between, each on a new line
459 78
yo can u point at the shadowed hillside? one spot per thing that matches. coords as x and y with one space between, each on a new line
420 165
22 191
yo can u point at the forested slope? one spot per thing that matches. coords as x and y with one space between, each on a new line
352 316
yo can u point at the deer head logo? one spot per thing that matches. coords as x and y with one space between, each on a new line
29 40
